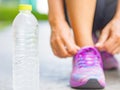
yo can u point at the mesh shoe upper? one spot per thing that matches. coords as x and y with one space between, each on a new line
87 64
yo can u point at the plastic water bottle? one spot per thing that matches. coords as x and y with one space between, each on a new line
25 58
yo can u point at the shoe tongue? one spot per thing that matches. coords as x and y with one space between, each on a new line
87 51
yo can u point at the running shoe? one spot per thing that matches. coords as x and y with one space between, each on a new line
87 70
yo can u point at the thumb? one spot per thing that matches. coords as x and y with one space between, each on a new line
103 37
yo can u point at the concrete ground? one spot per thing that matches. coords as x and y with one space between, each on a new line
54 72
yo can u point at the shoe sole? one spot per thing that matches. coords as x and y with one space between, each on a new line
91 84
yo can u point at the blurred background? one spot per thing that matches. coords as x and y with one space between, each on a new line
9 9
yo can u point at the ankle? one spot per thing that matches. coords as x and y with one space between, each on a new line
89 44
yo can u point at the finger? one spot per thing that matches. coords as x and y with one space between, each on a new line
114 48
116 51
54 49
71 47
77 47
103 37
73 41
61 49
110 44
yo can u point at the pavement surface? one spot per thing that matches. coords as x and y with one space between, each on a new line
54 72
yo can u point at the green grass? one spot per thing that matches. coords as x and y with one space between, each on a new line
40 16
4 24
8 13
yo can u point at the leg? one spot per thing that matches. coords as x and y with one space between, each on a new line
105 10
81 15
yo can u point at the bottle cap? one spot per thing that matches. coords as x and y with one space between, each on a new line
25 7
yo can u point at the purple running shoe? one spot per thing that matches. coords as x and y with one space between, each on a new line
87 70
109 61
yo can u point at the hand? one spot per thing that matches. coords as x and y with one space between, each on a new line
62 41
110 37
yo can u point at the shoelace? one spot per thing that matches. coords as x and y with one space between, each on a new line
86 59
